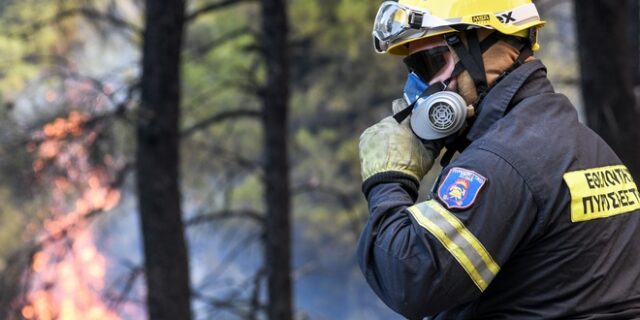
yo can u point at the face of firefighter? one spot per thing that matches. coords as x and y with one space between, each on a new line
430 43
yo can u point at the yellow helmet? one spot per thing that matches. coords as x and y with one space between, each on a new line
399 23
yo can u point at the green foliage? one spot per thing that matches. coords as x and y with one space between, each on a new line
340 87
218 72
12 224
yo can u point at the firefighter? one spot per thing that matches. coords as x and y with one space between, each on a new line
535 218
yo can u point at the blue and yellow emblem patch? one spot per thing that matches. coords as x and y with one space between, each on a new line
460 188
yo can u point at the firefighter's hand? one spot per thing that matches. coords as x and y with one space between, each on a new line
392 147
433 146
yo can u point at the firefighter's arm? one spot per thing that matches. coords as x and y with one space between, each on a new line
439 254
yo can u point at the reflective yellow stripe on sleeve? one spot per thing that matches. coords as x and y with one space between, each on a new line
458 240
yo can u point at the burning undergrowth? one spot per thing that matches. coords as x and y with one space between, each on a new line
67 277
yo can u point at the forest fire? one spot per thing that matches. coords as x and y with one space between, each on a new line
68 272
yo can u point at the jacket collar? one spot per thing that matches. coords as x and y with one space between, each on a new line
496 103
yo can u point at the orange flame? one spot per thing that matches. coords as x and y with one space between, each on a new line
69 275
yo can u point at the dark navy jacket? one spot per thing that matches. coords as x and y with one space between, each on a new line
536 219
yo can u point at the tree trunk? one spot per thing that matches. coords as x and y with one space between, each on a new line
277 193
165 250
609 69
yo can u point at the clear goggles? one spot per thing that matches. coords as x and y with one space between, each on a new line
395 21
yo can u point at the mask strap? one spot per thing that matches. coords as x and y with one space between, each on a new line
404 113
468 61
487 43
476 54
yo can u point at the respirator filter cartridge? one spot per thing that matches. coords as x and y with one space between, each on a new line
439 115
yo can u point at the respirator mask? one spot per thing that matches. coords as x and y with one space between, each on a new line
435 112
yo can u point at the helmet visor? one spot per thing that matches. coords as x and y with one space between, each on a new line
427 63
391 20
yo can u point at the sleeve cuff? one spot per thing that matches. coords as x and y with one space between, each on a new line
409 183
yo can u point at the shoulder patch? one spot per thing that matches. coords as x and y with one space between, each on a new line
460 188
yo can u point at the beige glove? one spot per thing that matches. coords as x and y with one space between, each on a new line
391 147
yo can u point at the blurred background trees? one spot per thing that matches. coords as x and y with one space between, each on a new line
609 73
240 117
